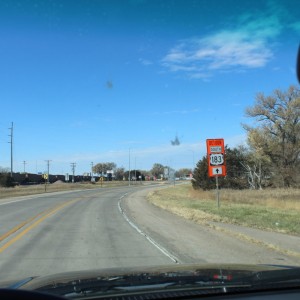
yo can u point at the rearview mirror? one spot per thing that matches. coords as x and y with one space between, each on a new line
298 65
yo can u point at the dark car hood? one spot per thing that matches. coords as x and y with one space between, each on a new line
56 280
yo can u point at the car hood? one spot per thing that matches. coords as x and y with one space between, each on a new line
219 272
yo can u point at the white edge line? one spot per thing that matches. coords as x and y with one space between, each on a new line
159 247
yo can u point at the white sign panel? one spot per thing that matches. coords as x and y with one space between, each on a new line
217 159
217 170
215 149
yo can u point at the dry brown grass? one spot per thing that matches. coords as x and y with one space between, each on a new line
275 210
276 198
272 210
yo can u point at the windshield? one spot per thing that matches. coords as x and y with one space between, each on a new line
144 133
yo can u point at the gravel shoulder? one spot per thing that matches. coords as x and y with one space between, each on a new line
213 242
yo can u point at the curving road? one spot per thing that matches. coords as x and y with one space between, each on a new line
70 231
114 227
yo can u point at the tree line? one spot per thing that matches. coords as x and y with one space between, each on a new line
107 170
156 172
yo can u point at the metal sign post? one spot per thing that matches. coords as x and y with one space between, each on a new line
217 192
46 178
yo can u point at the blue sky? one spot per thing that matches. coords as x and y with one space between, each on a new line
85 81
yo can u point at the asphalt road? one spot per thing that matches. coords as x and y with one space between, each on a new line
110 227
61 232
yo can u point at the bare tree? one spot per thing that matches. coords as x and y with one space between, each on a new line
102 168
277 136
157 170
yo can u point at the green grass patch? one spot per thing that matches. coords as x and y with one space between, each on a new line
202 207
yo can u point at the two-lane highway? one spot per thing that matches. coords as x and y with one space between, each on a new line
94 229
60 232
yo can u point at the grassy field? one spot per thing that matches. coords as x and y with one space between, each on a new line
276 210
54 187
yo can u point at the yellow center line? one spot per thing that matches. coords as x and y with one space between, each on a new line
19 226
33 225
16 228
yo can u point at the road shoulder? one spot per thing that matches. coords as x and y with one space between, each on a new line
213 242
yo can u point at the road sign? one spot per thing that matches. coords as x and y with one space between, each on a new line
216 157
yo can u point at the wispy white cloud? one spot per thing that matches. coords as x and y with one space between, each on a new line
145 62
131 142
178 112
248 45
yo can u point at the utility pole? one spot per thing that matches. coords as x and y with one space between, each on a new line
48 168
11 148
135 169
129 169
24 163
73 165
92 175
